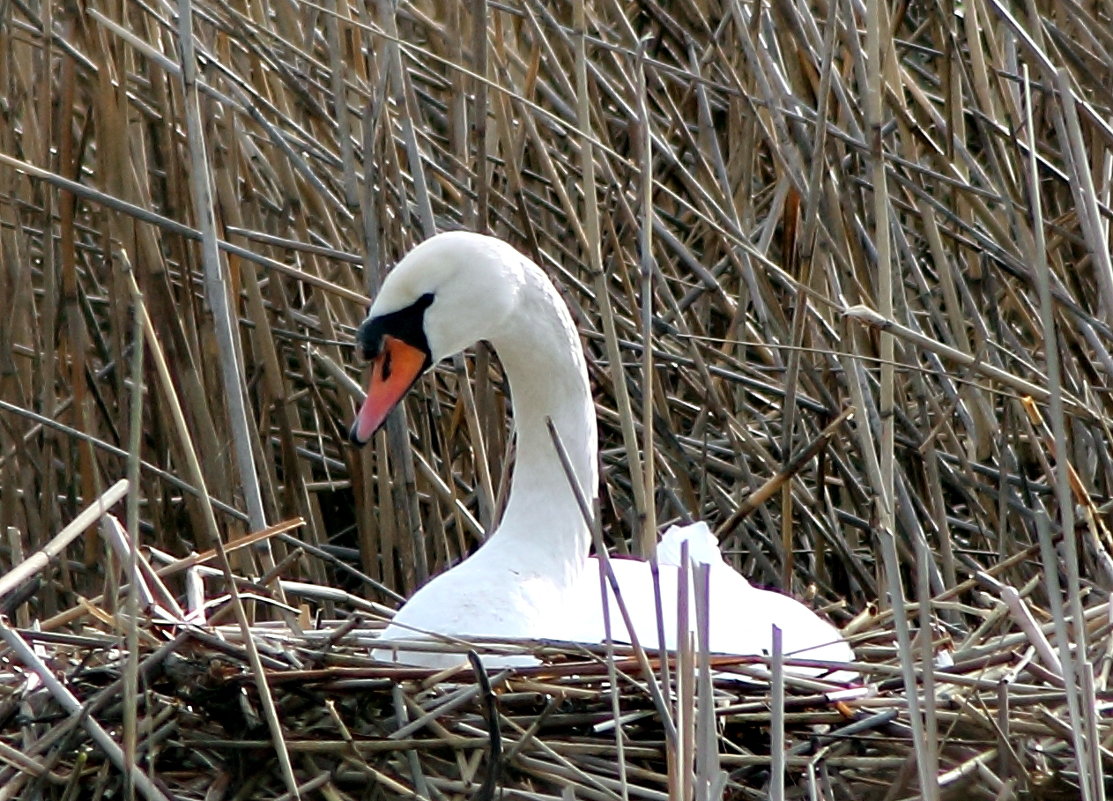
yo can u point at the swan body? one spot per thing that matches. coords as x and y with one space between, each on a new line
533 578
740 616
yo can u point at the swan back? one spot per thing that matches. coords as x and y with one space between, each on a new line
703 546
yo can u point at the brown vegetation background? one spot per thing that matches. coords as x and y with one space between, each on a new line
713 185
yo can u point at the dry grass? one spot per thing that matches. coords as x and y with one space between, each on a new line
893 209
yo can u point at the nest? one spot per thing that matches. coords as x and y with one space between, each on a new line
184 708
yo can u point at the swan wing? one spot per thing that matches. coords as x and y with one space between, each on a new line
741 616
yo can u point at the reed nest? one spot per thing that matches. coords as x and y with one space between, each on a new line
843 276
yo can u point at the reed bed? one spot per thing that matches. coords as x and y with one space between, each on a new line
353 728
842 272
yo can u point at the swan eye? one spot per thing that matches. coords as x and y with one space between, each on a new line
369 339
406 324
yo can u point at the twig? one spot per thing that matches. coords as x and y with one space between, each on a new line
38 561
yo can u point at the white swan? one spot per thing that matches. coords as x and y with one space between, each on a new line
533 578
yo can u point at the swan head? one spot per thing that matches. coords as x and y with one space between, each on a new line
448 293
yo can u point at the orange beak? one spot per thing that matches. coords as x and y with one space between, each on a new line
393 372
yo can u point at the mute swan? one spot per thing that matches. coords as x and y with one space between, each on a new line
533 578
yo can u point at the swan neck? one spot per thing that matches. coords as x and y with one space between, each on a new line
541 354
